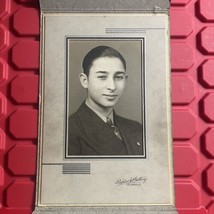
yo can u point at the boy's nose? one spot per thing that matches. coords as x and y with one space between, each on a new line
111 84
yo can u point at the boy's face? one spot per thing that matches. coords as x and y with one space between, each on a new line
105 83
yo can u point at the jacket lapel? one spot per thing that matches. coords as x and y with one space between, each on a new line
131 137
99 135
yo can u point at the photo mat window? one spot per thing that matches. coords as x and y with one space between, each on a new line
130 104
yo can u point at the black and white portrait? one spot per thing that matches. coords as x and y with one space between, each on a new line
105 134
105 98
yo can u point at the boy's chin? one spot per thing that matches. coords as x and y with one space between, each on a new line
107 106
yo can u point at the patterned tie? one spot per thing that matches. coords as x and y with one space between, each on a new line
116 130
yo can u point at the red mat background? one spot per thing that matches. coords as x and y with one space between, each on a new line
192 61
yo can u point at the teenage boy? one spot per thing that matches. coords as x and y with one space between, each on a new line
95 128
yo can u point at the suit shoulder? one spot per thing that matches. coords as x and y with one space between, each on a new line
74 120
73 116
128 122
76 115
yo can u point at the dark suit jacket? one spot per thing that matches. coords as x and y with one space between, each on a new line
89 135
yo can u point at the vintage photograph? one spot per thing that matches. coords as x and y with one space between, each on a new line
105 140
105 97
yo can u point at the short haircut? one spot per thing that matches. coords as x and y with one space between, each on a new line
97 52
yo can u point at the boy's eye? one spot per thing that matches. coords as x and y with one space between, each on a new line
102 77
120 77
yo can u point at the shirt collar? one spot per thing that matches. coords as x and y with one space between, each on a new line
99 114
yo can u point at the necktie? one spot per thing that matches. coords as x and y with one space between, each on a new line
116 130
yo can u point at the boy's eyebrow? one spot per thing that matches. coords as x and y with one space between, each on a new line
102 72
106 72
120 72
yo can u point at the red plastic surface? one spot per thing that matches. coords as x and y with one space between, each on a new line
192 61
19 68
192 44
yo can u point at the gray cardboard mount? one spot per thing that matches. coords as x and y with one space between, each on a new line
105 6
107 210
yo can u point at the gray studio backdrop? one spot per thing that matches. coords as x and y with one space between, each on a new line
130 103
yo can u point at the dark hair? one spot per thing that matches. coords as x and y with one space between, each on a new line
97 52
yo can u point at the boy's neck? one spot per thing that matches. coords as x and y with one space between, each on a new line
100 111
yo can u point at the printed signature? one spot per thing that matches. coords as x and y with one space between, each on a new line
133 181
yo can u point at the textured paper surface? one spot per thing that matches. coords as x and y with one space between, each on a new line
99 188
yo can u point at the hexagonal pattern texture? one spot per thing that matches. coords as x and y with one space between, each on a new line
25 55
208 142
192 56
208 176
206 10
176 17
4 9
192 191
4 37
26 21
206 40
28 119
183 90
1 176
182 155
3 105
182 56
24 194
207 107
192 53
184 124
179 2
21 161
2 140
24 89
211 207
206 74
19 68
3 71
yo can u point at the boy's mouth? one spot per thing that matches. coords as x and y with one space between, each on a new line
110 95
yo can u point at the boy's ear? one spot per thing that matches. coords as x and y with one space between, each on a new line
83 80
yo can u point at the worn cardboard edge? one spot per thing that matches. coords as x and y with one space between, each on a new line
108 210
99 6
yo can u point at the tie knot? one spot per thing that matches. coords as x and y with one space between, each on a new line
109 122
116 130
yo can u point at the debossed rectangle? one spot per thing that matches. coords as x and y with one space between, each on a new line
88 135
